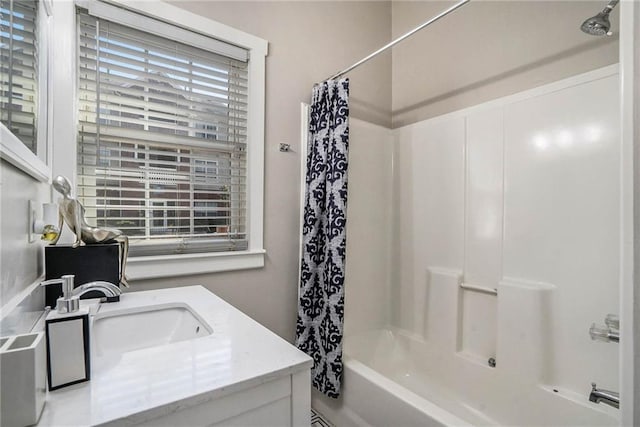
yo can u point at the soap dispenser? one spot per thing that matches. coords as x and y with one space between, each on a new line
67 333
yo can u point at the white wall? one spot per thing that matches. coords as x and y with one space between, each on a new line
21 262
521 195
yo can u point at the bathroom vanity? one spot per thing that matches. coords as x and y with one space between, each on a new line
183 356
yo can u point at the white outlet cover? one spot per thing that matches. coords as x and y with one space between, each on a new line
32 218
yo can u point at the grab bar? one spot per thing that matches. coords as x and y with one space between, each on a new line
476 288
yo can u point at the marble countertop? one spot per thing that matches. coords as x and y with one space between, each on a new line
141 385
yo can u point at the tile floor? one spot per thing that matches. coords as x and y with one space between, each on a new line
318 421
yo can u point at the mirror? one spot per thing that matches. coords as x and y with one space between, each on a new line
24 51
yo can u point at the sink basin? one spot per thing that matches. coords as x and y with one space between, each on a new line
120 331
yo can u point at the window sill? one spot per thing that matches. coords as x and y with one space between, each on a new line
151 267
15 152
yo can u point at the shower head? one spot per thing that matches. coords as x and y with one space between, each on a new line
599 25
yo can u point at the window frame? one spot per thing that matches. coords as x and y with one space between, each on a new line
65 156
12 149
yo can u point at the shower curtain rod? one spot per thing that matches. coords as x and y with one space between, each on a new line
399 39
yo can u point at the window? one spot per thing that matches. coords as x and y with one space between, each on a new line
19 72
170 135
24 26
162 141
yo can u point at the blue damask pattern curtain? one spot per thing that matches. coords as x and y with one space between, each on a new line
321 304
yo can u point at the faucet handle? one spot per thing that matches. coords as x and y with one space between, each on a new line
612 321
67 303
599 333
604 333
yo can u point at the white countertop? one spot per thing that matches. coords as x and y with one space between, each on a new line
144 384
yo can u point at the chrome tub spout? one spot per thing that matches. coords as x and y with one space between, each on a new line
608 397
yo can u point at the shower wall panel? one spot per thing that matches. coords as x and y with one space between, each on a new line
483 232
429 213
520 195
368 227
484 201
562 218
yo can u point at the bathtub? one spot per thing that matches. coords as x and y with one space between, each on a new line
395 379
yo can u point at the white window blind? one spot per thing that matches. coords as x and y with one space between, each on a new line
19 68
162 141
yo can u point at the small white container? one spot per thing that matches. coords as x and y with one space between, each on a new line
23 379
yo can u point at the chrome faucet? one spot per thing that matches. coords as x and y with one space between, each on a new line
110 291
69 302
611 398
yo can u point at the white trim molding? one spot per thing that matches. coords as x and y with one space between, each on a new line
629 374
304 149
154 26
174 15
15 152
152 267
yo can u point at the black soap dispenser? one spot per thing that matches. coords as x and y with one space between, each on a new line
67 332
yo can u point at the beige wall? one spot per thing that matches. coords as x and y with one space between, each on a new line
308 41
489 49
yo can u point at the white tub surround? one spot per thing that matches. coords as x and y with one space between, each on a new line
505 247
394 378
239 373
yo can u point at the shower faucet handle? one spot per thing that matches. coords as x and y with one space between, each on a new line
612 321
604 333
598 333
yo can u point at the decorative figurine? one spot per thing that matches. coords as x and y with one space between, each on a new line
71 211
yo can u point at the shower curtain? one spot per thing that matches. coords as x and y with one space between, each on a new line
321 298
